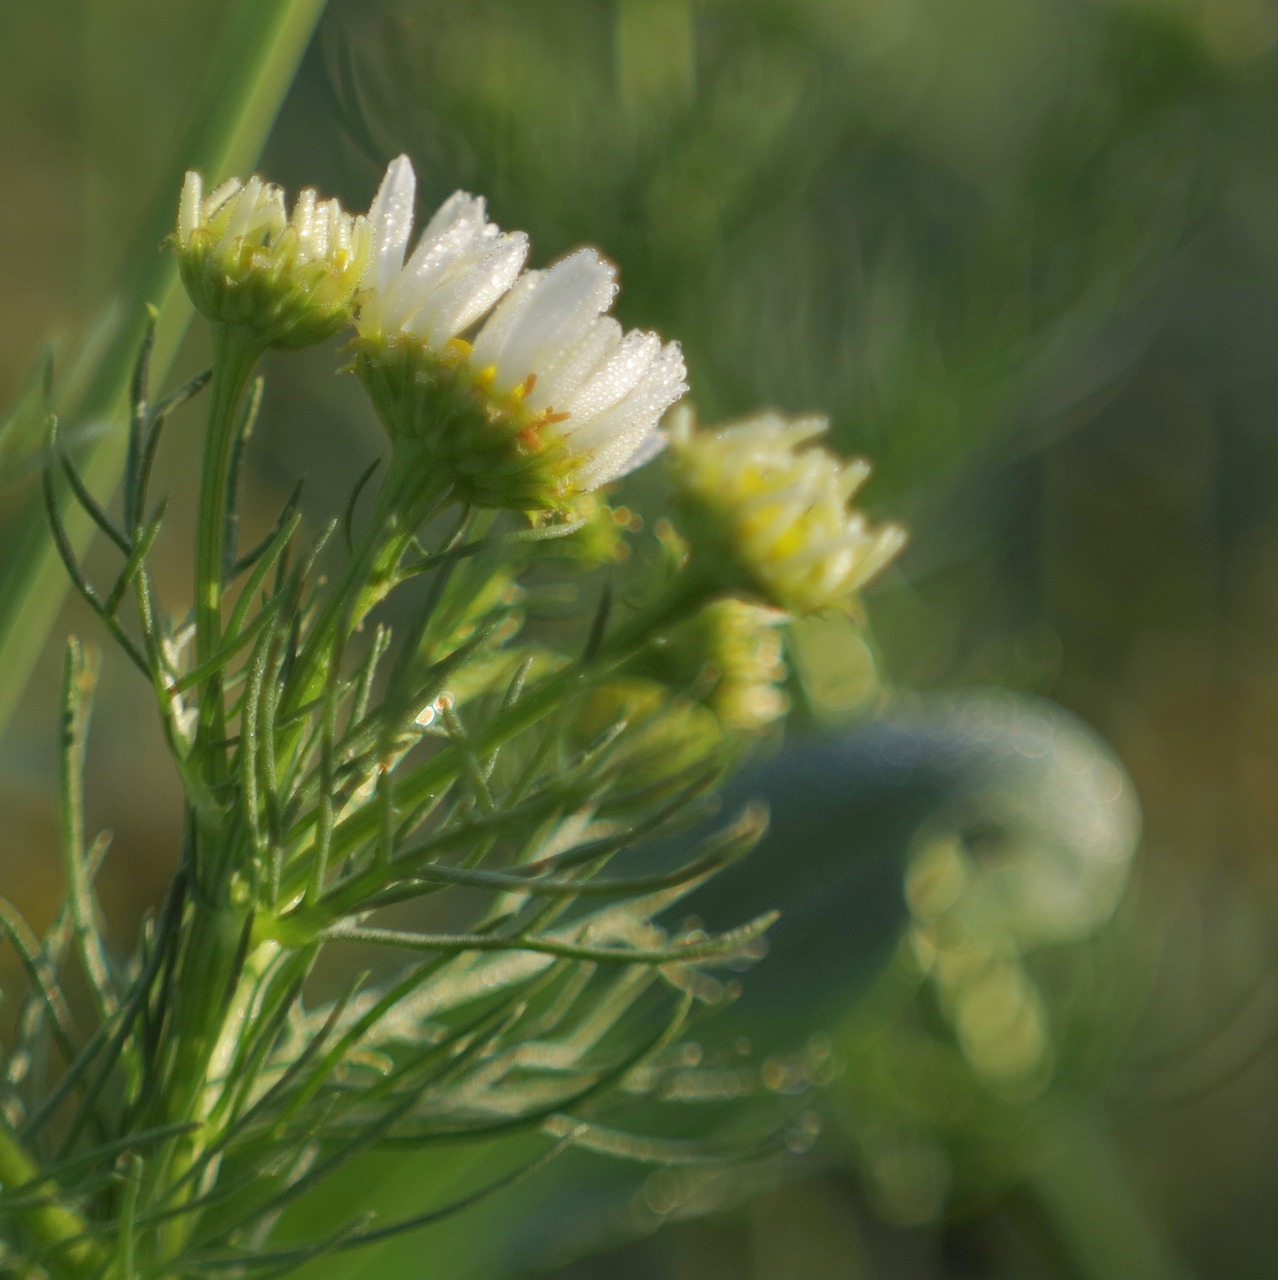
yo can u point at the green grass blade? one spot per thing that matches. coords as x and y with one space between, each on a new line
262 45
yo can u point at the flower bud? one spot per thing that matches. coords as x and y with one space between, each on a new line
601 537
768 511
289 281
729 656
665 737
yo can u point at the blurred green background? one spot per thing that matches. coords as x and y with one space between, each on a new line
1024 253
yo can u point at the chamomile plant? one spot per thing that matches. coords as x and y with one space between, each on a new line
429 810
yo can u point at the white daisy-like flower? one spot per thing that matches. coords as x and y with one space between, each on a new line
548 399
771 511
245 261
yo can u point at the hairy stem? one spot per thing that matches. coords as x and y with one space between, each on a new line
214 986
235 356
406 500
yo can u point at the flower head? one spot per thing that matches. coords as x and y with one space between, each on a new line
771 511
548 399
289 280
600 536
729 655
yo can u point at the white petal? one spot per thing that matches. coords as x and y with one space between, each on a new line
243 210
638 412
562 373
615 378
190 206
452 238
618 457
411 289
338 237
361 237
221 198
472 289
310 221
221 194
461 208
391 216
488 342
568 297
650 447
445 238
260 216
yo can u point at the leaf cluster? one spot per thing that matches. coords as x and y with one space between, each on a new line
442 787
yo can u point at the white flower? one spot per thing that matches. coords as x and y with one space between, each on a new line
771 511
550 399
246 262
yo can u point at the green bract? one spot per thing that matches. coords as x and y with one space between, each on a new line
442 414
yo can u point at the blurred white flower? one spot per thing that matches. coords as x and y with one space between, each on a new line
245 261
770 511
549 399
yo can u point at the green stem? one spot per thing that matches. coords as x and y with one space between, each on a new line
368 578
207 980
235 356
263 43
1085 1195
210 1029
51 1223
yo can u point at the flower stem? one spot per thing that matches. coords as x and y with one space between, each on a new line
235 356
1085 1197
368 578
407 500
206 972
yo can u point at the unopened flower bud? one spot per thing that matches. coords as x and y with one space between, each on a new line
769 511
665 737
730 656
601 537
288 280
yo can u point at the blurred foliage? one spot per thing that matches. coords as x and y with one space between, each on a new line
1025 253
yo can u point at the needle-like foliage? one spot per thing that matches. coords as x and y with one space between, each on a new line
392 923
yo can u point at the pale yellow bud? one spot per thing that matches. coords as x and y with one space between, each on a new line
770 512
289 281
